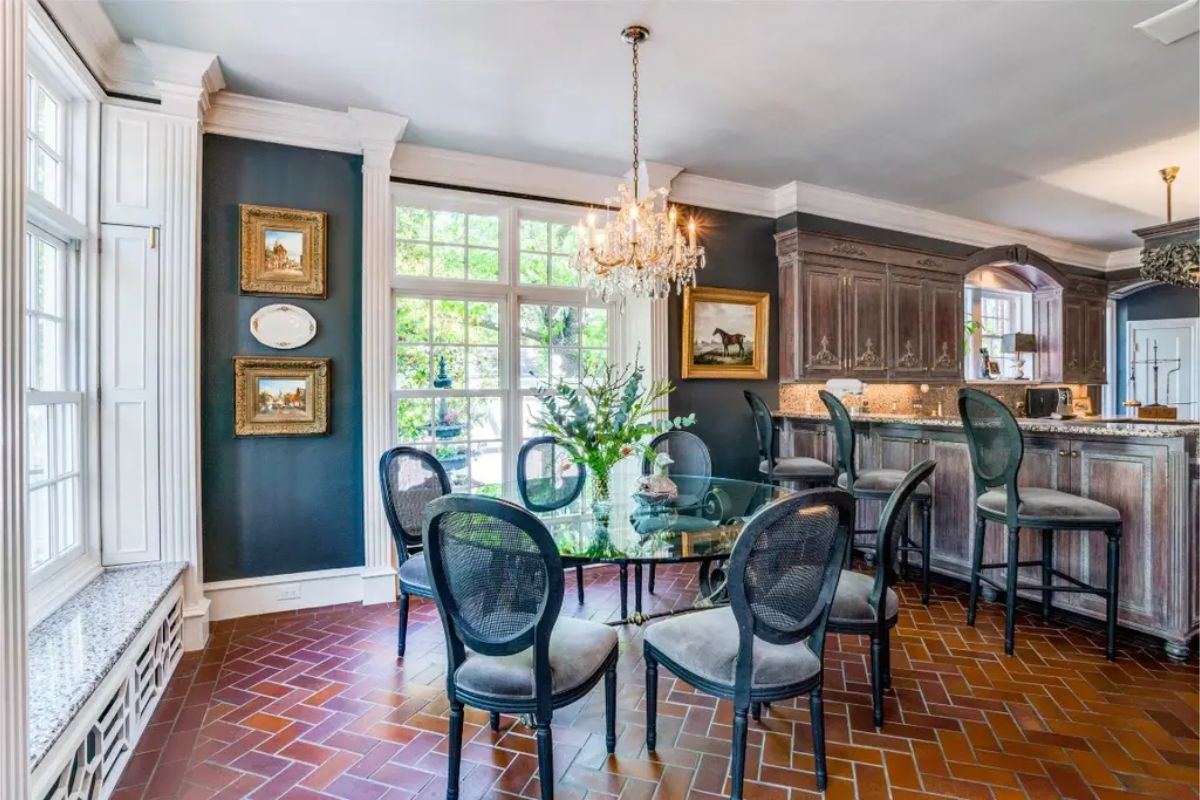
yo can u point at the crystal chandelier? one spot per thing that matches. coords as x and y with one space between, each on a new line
1177 262
640 250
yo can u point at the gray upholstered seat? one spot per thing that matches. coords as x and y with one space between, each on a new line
799 466
578 650
851 604
413 572
1047 505
883 481
707 643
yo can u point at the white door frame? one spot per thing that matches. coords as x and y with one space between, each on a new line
1192 323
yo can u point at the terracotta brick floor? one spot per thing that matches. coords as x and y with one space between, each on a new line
315 704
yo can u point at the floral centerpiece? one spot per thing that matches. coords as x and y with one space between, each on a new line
607 418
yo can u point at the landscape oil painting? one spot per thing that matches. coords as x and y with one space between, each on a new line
283 251
724 334
281 396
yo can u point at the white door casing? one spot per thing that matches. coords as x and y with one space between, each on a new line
1177 381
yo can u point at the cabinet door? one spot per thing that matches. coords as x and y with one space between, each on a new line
1095 342
132 181
953 512
823 325
789 320
806 439
945 326
866 323
908 313
1073 340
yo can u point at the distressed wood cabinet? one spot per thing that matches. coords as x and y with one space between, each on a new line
866 323
1153 482
926 312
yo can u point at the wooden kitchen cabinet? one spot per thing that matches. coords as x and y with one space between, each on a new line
926 333
823 323
866 323
945 327
1084 338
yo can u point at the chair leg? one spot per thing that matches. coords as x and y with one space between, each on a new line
877 679
545 752
651 703
650 583
579 583
610 708
756 711
1010 589
816 711
455 747
402 636
624 590
1047 577
637 587
740 729
887 658
976 563
1114 580
925 514
495 721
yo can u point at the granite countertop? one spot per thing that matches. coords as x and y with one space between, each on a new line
72 650
1119 427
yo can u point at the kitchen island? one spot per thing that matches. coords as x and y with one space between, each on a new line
1149 471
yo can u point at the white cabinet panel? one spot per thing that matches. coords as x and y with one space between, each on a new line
132 167
129 431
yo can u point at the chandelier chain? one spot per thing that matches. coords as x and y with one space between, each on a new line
635 120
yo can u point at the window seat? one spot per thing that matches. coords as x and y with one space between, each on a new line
97 667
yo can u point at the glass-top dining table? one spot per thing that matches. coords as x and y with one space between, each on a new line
700 525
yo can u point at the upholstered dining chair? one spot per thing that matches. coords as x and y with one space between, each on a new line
769 643
691 470
868 606
876 484
996 446
408 479
498 583
799 470
548 481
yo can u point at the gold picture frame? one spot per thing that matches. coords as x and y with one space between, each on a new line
276 396
283 251
738 346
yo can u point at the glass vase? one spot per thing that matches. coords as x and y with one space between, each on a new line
601 501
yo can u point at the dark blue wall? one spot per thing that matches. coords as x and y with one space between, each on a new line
289 504
1157 302
741 255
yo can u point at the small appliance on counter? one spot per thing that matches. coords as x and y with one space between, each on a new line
1056 402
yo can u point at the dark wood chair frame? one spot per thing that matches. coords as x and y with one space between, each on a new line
1007 478
813 629
408 543
880 628
543 702
768 444
843 430
523 488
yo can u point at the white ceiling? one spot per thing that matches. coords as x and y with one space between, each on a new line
1036 115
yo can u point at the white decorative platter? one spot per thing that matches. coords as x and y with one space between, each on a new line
283 326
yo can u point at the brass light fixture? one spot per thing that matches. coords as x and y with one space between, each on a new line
1168 175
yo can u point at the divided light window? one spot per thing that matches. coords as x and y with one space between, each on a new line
45 134
488 307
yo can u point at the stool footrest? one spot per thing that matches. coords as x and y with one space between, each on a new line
1083 588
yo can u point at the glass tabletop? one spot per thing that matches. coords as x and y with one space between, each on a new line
703 522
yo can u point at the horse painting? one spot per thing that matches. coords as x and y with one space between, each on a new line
731 338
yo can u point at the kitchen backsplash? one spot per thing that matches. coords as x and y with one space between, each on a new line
907 398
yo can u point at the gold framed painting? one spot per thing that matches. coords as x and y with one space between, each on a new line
280 396
725 333
283 251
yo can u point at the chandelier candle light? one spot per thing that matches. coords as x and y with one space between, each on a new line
641 251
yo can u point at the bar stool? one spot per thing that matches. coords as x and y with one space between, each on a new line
996 447
807 472
877 484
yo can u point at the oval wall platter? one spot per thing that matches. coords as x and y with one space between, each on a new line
283 326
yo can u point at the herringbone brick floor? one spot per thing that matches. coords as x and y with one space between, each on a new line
315 704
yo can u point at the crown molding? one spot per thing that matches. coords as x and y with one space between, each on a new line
185 79
742 198
377 135
118 67
807 198
1123 259
248 117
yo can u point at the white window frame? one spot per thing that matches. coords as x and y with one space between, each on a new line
1021 315
508 292
74 221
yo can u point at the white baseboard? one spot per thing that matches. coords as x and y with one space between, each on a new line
378 585
246 597
195 624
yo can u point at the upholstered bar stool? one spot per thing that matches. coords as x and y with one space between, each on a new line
996 447
801 470
877 484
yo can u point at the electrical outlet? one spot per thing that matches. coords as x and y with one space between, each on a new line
288 591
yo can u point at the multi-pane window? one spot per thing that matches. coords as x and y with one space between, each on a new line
45 134
994 313
53 401
488 307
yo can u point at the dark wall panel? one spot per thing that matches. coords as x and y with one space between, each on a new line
1157 302
741 255
289 504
